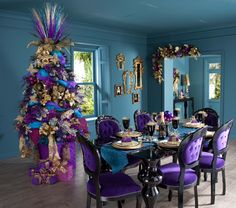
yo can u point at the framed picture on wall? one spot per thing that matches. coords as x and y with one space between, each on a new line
118 90
135 98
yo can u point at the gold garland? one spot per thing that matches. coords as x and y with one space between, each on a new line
170 52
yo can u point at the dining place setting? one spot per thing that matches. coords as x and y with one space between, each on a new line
155 137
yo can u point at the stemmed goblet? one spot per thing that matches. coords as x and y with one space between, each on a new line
154 117
175 123
151 129
126 122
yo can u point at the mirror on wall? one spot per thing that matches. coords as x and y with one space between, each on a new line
138 72
195 83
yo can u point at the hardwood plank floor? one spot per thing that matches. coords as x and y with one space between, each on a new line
16 190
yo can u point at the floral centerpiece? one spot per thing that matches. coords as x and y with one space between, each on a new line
50 110
168 116
170 52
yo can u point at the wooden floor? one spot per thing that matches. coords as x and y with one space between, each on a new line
16 190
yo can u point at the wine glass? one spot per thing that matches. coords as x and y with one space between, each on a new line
151 128
175 123
126 122
154 117
176 112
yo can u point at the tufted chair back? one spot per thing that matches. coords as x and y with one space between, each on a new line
221 136
141 118
91 157
190 148
212 118
106 128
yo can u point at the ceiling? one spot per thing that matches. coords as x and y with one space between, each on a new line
145 16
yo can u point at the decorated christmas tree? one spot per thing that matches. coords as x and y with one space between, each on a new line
50 111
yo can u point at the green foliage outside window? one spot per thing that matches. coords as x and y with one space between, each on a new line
214 86
86 74
217 89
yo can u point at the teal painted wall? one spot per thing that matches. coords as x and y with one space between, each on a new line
196 76
15 59
220 41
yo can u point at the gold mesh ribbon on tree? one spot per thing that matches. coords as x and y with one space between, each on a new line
49 131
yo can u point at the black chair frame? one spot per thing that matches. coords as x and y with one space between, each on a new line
195 165
95 175
211 111
213 171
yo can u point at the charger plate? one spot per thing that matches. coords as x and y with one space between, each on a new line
129 134
127 145
194 125
168 144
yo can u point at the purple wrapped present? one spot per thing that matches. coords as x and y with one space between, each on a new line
65 175
44 179
43 152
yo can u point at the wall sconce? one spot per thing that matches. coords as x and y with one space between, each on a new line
120 61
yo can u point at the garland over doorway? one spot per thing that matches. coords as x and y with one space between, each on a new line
170 52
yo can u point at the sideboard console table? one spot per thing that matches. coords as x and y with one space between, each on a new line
184 100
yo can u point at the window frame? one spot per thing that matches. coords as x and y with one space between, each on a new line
96 74
213 71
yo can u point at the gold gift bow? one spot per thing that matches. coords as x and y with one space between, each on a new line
49 131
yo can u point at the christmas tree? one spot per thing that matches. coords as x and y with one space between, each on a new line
50 112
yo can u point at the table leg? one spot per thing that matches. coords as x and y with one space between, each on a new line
150 176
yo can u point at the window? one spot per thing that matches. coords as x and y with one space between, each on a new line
214 86
85 70
214 81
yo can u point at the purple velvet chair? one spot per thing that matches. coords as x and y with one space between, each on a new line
106 186
212 120
185 174
214 162
106 128
141 118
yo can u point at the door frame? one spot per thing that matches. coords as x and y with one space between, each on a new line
217 53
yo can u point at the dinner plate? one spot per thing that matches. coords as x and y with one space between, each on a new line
129 134
194 125
127 145
169 144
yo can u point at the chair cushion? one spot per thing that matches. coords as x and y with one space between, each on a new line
114 185
171 173
206 160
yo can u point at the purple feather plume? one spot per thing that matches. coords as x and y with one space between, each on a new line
49 23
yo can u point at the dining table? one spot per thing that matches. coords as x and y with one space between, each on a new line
150 152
